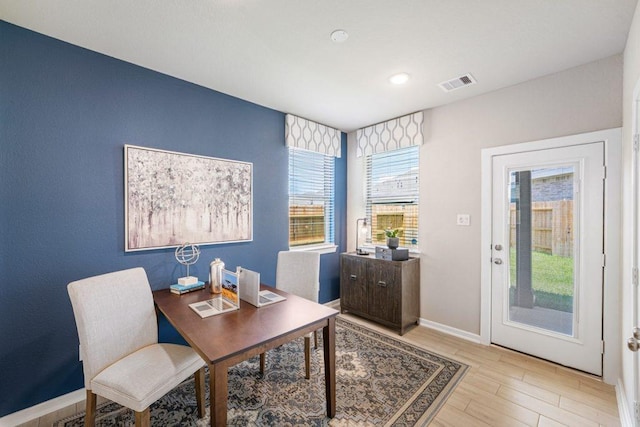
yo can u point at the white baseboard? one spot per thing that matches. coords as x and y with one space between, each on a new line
459 333
624 411
335 304
468 336
42 409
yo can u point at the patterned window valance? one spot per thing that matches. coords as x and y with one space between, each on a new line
312 136
402 132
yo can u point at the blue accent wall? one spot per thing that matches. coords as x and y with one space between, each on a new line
65 115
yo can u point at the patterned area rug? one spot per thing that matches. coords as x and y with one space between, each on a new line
380 381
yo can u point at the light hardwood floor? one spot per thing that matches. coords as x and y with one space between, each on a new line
506 388
501 388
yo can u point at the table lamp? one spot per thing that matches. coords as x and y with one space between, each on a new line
359 230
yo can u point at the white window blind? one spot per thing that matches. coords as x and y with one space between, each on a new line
392 195
311 196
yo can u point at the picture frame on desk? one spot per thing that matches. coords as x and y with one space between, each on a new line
228 300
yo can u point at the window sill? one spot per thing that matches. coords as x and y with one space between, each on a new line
322 249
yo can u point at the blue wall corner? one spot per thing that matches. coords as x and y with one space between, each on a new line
66 114
330 263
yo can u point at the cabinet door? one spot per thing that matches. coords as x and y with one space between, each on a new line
353 280
385 286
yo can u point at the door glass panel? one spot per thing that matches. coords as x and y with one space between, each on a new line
541 248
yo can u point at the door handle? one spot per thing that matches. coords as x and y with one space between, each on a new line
632 342
497 261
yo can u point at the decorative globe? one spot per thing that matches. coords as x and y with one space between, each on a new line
187 254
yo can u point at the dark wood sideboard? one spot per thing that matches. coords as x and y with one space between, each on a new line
387 292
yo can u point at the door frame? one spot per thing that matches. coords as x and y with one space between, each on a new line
612 139
630 309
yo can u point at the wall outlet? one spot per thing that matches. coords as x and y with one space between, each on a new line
463 219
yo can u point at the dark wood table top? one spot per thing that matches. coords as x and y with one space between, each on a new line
227 335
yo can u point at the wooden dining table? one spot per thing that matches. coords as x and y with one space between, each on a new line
226 339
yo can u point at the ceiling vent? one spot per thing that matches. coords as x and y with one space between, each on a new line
457 83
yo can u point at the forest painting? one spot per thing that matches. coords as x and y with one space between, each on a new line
173 198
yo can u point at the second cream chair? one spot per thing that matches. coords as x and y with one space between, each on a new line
298 273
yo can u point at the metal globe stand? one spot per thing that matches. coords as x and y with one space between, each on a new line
187 255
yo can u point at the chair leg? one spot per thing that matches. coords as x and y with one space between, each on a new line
199 382
315 339
262 362
90 415
143 419
307 356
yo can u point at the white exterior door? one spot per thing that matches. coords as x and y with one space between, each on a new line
633 341
547 254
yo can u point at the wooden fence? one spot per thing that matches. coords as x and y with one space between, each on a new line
306 224
552 227
404 218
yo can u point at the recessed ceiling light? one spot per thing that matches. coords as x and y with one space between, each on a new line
338 36
399 79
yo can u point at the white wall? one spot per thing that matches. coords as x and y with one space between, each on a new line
631 78
581 99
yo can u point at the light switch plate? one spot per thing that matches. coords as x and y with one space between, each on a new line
463 219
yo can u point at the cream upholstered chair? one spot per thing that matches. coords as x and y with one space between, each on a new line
298 272
121 357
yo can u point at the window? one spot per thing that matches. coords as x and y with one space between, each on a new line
392 195
311 195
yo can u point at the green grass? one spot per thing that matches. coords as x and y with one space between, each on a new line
552 278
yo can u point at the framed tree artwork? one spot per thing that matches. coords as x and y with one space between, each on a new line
172 198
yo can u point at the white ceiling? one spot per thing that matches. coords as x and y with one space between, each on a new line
277 53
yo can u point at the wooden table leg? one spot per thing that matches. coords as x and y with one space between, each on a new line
329 341
200 394
218 394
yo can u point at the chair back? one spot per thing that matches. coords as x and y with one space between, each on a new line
298 272
115 316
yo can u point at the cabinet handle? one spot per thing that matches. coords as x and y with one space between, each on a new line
353 277
383 284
